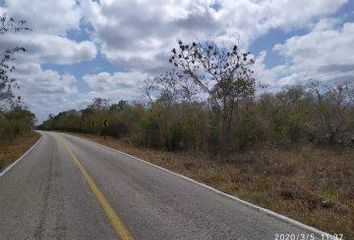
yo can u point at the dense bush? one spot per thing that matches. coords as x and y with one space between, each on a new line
293 116
14 123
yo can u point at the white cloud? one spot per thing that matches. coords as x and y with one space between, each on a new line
324 46
107 81
50 22
44 48
116 86
268 76
34 80
44 91
324 54
255 18
54 17
326 50
139 34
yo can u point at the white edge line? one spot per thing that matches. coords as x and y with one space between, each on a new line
248 204
20 158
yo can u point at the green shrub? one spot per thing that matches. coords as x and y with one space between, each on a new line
293 116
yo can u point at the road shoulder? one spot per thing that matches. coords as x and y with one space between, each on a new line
9 153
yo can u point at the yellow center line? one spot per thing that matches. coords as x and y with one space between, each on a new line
116 222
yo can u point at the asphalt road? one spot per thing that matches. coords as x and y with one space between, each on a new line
70 188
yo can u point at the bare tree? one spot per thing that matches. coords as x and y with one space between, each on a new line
223 74
7 83
333 107
99 104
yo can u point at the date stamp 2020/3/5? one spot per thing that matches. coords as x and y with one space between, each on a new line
306 236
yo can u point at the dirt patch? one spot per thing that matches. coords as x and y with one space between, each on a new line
12 151
312 185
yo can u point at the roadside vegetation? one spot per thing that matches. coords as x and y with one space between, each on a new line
16 121
290 150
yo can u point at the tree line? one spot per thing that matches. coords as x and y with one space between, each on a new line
15 118
208 102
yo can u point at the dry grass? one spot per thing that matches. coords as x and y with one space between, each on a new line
312 185
12 151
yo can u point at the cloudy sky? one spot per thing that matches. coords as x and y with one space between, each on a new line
81 49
